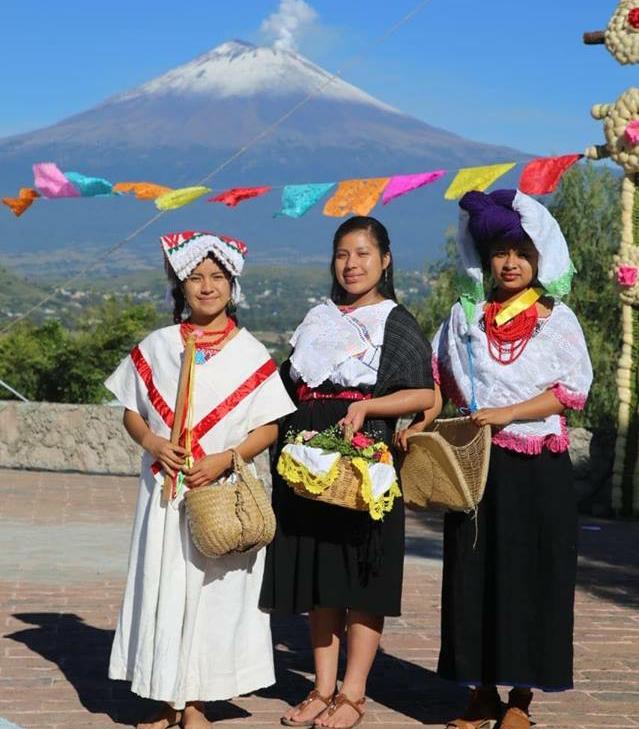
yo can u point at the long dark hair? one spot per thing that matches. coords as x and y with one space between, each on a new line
385 285
177 292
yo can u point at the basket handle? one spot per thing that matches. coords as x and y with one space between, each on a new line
348 433
239 465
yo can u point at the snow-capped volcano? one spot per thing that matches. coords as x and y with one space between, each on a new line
179 127
240 69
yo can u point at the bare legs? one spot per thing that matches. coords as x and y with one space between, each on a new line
363 632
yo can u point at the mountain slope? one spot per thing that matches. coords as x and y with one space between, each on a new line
177 128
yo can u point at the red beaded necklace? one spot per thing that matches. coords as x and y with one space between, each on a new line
507 342
206 340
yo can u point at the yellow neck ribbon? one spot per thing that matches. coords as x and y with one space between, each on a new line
520 303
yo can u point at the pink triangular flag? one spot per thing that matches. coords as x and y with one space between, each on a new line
51 182
401 184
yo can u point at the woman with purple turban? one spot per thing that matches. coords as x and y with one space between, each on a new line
515 357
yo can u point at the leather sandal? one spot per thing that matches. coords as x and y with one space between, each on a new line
312 696
340 700
515 718
483 711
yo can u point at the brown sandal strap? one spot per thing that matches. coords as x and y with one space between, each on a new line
515 718
342 699
466 724
312 696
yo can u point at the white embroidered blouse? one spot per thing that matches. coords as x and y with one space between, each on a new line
556 358
341 346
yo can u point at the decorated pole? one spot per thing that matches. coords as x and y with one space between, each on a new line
621 130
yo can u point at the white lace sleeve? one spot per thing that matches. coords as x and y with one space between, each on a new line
575 380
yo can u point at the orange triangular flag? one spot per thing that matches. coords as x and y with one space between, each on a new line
355 196
142 190
23 202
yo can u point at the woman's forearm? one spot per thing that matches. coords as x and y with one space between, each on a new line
428 415
402 402
257 441
538 407
136 426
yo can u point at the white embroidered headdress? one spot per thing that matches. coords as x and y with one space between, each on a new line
186 250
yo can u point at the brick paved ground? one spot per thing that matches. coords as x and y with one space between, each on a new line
63 550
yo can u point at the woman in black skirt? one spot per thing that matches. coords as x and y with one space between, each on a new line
516 359
358 359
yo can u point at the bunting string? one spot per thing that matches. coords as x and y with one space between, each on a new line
29 197
359 196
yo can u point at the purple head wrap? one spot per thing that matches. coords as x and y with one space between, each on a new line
492 218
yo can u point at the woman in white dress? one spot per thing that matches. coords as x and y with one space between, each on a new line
190 629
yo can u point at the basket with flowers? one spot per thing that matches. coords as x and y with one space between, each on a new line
339 467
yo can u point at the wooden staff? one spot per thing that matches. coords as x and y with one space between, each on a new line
180 411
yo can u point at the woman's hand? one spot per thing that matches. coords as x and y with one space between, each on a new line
170 456
494 416
400 438
355 415
208 469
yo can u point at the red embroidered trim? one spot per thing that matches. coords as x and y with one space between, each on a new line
435 366
145 372
233 400
210 420
304 393
449 387
572 400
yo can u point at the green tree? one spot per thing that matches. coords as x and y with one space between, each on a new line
50 363
587 207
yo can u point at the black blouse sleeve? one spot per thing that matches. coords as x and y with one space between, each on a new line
406 359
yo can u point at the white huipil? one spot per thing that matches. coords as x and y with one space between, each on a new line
190 628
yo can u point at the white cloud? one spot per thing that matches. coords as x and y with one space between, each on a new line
288 23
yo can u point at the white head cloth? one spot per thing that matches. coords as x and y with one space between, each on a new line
185 251
555 270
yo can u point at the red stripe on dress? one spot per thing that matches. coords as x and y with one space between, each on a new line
145 372
232 401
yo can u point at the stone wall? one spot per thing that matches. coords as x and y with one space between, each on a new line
91 439
59 437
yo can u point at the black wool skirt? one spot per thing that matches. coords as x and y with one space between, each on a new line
327 556
507 603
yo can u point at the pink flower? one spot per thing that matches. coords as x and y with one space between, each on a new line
308 434
632 132
627 275
361 441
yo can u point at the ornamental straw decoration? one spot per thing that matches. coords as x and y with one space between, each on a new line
621 129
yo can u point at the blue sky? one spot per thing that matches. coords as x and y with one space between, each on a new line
496 71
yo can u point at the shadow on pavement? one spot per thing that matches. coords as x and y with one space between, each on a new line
609 560
399 685
82 652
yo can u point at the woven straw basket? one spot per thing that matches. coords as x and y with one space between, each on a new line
230 516
346 489
447 465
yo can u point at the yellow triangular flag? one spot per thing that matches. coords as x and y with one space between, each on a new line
178 198
355 196
476 178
